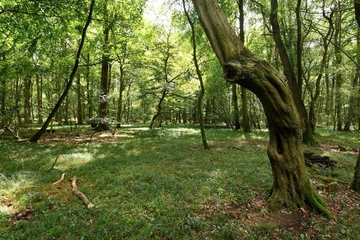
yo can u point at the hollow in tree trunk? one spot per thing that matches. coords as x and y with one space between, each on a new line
291 186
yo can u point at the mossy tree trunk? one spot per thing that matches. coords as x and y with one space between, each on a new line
291 186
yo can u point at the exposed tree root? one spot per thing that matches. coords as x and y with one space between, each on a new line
80 195
310 200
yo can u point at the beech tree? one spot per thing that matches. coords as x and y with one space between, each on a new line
291 186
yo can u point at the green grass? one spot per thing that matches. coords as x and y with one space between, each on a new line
149 184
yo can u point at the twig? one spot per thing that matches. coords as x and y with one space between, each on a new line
82 196
57 157
61 179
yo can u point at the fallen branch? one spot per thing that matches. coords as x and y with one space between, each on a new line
82 196
57 157
6 129
60 180
324 162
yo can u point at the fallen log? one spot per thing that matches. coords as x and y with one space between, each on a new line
80 195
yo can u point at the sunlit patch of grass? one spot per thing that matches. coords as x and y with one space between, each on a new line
10 187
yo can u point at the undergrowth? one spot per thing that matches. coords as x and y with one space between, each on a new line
156 183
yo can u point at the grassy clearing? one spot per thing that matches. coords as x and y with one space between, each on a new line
161 184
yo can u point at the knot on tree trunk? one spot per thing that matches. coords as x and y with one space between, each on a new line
237 71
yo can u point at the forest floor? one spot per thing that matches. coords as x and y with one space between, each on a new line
161 184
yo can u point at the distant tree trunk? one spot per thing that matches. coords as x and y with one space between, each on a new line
3 91
289 72
89 86
38 134
314 95
353 101
66 112
291 186
17 101
201 81
27 99
236 106
120 100
79 100
39 98
338 66
104 94
244 101
158 108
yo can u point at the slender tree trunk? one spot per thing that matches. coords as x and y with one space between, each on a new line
3 91
353 101
201 81
315 96
79 100
89 87
27 99
39 98
236 106
290 75
38 134
338 66
158 108
291 186
17 101
104 94
244 101
120 100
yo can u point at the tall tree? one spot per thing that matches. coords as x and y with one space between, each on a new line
39 133
291 186
200 77
244 101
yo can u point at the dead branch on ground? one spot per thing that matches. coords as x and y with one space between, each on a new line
60 180
80 195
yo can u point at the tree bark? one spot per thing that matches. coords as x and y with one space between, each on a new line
39 133
291 186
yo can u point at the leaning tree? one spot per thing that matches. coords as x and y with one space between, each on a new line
291 185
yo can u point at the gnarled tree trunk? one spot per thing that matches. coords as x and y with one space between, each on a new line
291 186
